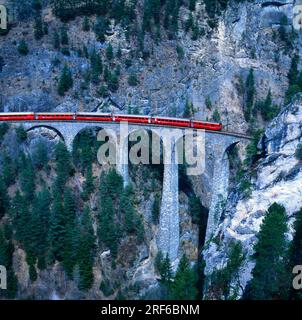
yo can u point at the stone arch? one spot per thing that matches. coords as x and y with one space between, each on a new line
47 127
96 131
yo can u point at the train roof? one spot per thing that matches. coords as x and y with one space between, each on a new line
131 115
54 113
171 118
94 113
15 113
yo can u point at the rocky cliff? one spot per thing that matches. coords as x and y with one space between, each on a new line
277 177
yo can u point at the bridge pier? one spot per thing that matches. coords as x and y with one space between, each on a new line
168 235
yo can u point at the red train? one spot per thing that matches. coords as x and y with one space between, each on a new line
110 117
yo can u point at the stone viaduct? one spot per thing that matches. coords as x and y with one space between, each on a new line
216 172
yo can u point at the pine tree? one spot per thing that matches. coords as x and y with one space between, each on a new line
27 179
109 52
96 66
56 237
100 28
156 209
23 48
39 33
269 274
66 81
64 36
86 251
250 93
188 110
184 283
63 165
4 199
56 40
89 184
86 24
70 233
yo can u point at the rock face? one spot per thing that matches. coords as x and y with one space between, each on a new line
214 66
278 179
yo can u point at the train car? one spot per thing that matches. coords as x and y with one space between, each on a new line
131 118
206 125
174 122
93 116
50 116
17 116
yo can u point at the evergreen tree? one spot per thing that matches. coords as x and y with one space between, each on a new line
184 283
23 48
96 66
188 110
8 173
64 36
70 233
56 237
89 184
100 28
270 277
66 81
40 155
109 52
156 209
4 199
86 251
56 40
250 93
86 24
27 178
38 28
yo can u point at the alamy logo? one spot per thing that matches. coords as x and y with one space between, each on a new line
3 278
297 281
3 17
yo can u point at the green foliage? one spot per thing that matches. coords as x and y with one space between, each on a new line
3 129
132 80
267 109
38 28
184 282
66 81
180 52
251 149
250 95
64 36
21 133
208 103
88 185
195 208
86 24
106 288
227 278
40 155
64 167
216 116
188 111
270 277
156 209
294 79
56 40
96 66
100 28
298 152
23 47
109 52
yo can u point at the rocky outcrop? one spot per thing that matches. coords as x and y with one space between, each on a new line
277 178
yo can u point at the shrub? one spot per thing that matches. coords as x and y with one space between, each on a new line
132 80
298 152
23 48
